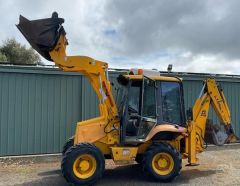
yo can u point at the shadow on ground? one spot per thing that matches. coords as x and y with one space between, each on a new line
123 175
48 178
133 175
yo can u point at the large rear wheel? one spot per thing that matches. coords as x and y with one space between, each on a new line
83 164
162 162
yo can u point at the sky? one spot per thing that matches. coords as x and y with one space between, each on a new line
193 36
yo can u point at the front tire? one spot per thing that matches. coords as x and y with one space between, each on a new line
68 144
139 158
83 164
162 162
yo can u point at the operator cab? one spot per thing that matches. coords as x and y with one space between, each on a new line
148 102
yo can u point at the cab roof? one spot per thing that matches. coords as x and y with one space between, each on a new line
156 78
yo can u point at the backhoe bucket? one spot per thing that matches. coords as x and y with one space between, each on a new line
218 136
232 138
42 34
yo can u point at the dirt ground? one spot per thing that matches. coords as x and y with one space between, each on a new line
220 167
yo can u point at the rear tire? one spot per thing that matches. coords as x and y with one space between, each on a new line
162 162
68 144
83 164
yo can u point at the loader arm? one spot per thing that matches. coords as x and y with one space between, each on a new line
48 37
96 72
211 94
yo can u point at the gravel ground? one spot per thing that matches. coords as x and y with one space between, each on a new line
216 168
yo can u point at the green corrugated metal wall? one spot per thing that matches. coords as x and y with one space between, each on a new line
37 111
40 106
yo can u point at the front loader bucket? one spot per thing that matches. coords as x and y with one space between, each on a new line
42 34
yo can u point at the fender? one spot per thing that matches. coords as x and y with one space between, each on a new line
165 127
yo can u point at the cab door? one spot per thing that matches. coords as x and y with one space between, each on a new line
139 115
148 108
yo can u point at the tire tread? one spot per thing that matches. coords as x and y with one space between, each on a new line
150 152
89 146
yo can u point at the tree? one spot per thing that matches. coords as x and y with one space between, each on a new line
3 58
16 53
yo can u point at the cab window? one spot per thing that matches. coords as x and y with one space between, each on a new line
149 99
134 96
171 102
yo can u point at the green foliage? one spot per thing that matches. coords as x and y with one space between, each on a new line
3 58
15 53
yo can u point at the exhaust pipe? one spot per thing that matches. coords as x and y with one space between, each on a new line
42 34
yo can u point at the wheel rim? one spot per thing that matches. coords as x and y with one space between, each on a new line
84 166
162 163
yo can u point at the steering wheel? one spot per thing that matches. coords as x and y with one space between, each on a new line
135 117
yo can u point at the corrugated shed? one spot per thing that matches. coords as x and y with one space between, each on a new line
40 106
38 111
89 100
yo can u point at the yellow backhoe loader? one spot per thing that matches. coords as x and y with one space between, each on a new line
145 123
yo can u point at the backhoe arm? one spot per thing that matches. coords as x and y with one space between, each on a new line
211 94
